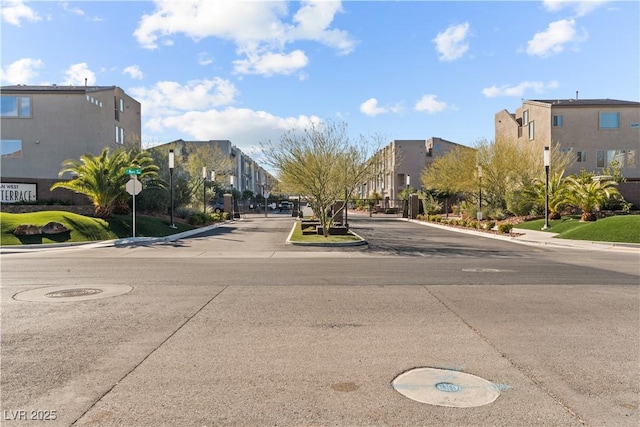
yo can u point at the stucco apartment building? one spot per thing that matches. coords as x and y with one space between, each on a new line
42 126
597 131
246 173
402 158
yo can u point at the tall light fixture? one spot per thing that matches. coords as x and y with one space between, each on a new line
547 163
204 190
408 197
479 215
171 165
232 180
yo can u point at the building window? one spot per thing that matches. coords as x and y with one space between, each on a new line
531 132
117 134
15 106
581 156
525 117
631 158
11 148
121 105
616 156
605 158
558 120
609 120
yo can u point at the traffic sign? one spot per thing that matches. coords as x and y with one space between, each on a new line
133 187
133 171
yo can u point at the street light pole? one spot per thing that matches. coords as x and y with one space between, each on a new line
408 197
233 207
479 215
171 165
547 162
204 190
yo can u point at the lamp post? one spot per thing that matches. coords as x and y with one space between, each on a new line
204 190
171 165
408 196
231 182
547 162
479 215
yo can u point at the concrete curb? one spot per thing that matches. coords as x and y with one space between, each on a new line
126 241
360 242
171 238
546 239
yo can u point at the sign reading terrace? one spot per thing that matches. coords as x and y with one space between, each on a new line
14 192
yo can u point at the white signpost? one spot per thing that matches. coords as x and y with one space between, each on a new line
133 187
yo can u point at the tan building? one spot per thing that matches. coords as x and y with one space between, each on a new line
42 126
402 158
246 173
597 131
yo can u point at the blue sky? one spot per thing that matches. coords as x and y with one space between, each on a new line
248 71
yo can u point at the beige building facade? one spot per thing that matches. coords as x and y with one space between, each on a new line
247 173
401 163
42 126
597 132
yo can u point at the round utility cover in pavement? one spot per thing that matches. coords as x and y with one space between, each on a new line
444 387
70 293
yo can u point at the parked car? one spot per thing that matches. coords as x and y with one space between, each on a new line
217 206
285 206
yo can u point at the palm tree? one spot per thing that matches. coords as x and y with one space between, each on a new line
102 178
536 192
590 194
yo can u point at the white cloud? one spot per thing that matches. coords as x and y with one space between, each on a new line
519 90
429 104
259 29
75 10
21 71
370 108
201 110
14 11
272 63
134 72
581 8
204 59
451 44
77 73
246 128
554 38
170 98
313 21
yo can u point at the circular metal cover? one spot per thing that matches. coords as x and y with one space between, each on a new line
68 293
443 387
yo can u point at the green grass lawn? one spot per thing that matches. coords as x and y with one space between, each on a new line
83 228
621 228
298 237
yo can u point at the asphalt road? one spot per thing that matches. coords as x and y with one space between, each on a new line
235 327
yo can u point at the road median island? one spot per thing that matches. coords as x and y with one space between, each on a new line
303 237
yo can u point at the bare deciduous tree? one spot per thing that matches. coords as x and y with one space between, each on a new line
321 164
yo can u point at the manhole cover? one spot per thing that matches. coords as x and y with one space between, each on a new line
443 387
70 293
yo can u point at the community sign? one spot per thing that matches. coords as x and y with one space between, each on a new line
14 193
